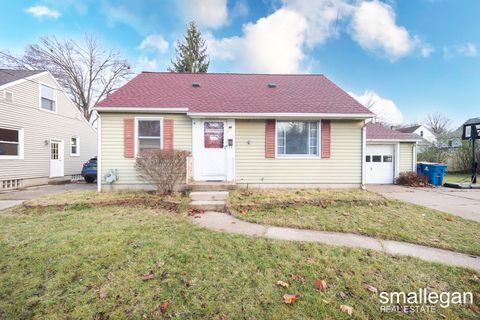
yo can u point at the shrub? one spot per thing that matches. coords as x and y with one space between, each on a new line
164 168
412 179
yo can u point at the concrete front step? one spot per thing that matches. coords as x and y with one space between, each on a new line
209 195
211 186
215 205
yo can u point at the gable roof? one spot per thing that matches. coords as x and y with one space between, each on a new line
409 129
376 131
234 93
10 75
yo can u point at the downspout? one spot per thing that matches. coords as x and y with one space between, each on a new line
364 150
99 155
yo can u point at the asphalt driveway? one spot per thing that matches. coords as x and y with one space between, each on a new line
464 203
15 197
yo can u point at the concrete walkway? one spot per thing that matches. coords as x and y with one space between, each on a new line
13 198
226 223
464 203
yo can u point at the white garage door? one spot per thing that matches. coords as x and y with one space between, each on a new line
379 164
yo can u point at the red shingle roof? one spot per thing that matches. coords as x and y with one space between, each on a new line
239 93
377 131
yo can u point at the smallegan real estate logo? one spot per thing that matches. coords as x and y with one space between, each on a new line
423 300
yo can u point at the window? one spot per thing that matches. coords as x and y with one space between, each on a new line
7 95
297 138
47 98
11 143
421 133
450 143
376 158
149 134
74 146
367 159
387 159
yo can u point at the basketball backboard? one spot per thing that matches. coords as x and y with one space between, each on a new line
471 130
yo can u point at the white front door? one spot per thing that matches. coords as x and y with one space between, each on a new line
213 150
56 158
380 164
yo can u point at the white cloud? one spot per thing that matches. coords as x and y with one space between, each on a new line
154 41
467 50
207 13
325 18
273 44
145 64
385 109
373 26
240 9
43 11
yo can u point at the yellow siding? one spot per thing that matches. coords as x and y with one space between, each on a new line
406 156
344 166
112 143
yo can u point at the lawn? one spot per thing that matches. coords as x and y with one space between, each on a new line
457 177
356 211
104 261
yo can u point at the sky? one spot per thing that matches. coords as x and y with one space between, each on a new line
412 57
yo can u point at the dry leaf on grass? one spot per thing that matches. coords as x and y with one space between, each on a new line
342 295
320 285
164 306
290 298
103 293
326 301
149 276
282 284
296 277
371 288
346 309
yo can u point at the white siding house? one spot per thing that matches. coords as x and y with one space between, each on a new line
43 136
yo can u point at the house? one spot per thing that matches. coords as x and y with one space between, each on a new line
43 136
426 138
249 129
421 131
453 139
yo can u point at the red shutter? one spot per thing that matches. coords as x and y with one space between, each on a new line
326 138
168 134
270 139
128 137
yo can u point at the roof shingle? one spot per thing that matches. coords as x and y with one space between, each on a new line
377 131
9 75
235 93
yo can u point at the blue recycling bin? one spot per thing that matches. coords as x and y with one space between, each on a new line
435 172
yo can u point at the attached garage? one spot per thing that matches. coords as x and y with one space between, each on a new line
387 154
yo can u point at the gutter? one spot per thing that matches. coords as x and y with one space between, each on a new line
364 151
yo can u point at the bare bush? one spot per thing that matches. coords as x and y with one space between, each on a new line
412 179
164 168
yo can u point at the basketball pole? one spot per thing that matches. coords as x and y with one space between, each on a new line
474 161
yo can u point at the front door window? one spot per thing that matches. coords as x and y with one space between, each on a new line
213 134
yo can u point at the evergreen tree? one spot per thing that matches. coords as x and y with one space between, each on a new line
191 54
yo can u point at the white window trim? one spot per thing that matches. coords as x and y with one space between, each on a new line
21 146
40 84
78 146
135 144
301 156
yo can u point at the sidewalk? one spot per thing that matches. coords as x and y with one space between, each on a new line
226 223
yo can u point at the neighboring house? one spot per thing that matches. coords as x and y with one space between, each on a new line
453 140
248 129
43 136
426 137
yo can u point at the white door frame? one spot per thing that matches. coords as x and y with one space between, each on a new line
61 157
229 134
396 155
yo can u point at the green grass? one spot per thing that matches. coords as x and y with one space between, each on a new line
457 177
86 263
370 215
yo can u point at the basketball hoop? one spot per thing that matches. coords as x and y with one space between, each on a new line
471 132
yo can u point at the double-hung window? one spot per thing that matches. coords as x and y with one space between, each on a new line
11 143
297 138
47 98
149 134
74 146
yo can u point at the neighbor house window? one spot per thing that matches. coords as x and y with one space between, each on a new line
11 143
297 138
149 134
47 97
74 146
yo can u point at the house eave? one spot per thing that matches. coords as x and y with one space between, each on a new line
392 140
279 115
139 110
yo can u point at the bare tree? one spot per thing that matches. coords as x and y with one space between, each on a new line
370 99
87 71
438 123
